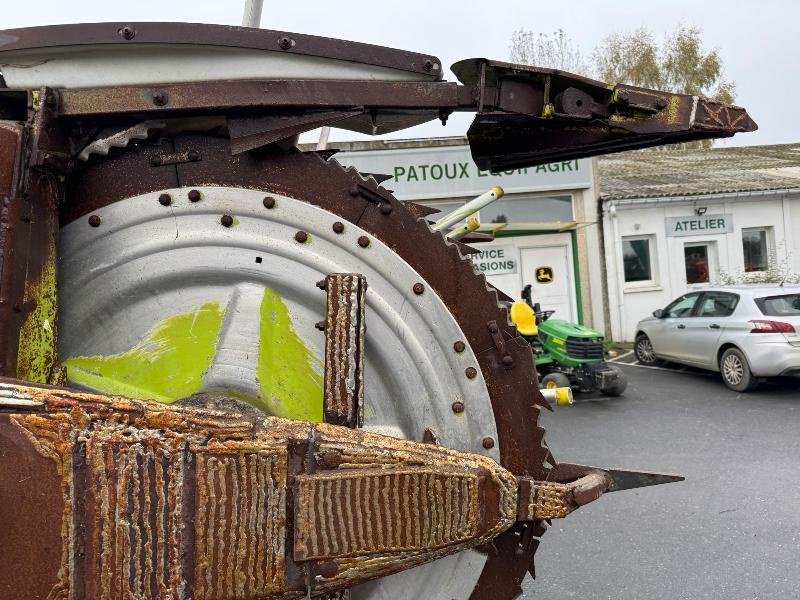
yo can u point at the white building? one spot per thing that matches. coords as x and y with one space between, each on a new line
678 220
547 218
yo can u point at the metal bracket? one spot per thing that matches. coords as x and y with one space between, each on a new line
343 402
499 343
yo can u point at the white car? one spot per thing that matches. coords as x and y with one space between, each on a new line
743 332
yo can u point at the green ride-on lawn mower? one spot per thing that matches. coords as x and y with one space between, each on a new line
566 354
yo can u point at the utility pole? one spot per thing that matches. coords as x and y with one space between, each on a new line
252 13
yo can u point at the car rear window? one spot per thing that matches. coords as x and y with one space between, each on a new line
786 305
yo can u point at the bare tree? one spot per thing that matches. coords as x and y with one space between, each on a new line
552 50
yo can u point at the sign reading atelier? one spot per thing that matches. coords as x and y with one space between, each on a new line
702 225
497 260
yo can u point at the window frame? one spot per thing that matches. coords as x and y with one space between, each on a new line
644 283
691 313
769 239
699 306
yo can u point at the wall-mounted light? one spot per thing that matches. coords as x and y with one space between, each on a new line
700 210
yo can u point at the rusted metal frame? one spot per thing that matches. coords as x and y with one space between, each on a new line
223 96
29 224
121 34
343 398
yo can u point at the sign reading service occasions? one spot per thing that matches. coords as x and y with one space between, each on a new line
702 225
497 260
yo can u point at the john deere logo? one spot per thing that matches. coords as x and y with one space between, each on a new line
544 274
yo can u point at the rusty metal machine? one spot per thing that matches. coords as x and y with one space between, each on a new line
233 369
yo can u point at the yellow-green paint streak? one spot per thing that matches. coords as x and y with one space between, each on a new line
168 364
290 384
36 352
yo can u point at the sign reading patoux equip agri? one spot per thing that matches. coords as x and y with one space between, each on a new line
449 172
497 260
702 225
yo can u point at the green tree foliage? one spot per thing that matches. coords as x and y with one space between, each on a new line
679 64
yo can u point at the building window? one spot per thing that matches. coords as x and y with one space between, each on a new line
755 243
528 209
696 261
637 259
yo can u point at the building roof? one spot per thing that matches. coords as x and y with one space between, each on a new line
660 173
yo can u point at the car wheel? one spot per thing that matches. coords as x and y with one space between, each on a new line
736 372
643 349
555 380
618 386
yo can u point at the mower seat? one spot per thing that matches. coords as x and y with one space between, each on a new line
524 318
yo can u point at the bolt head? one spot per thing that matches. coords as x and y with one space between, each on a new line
338 227
160 98
165 199
285 43
428 65
320 325
418 288
226 220
508 360
301 237
322 284
354 191
459 346
363 241
386 208
127 32
471 372
493 328
95 220
458 407
194 195
269 202
487 443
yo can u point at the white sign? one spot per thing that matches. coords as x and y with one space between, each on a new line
702 225
448 172
497 260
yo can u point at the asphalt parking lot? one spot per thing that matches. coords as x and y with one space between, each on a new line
730 531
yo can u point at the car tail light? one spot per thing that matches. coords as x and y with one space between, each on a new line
765 326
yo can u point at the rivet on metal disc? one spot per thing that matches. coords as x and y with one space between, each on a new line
165 199
459 346
354 191
194 195
320 325
508 360
269 202
363 241
338 227
488 443
285 43
301 237
386 208
226 220
127 32
418 288
471 372
458 407
95 220
160 98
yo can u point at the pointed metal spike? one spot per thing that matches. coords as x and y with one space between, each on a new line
624 479
378 177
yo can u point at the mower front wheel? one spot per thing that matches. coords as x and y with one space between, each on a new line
555 380
619 385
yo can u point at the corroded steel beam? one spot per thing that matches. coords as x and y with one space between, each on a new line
156 501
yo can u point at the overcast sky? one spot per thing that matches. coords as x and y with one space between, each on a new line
758 40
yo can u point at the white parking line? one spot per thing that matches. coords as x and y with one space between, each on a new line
621 356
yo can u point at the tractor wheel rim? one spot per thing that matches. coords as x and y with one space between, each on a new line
733 369
551 385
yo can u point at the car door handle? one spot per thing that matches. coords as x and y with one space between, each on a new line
681 326
713 326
